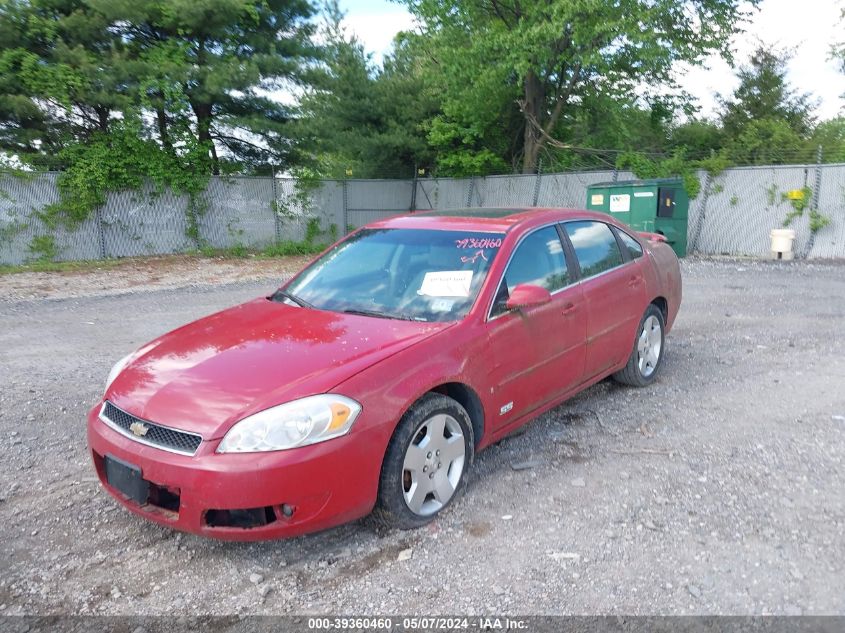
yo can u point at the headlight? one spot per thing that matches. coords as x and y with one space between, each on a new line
118 367
298 423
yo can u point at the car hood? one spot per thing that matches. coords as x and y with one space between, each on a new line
207 375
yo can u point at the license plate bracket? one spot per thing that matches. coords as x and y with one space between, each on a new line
127 479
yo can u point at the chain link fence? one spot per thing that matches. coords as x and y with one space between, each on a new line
732 215
736 210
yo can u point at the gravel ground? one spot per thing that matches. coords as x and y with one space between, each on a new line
718 490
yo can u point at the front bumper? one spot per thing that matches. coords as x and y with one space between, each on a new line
296 491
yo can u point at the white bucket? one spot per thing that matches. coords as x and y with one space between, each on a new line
782 240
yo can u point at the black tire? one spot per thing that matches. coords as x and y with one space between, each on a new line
632 374
391 509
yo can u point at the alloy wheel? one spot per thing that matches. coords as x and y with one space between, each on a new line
649 345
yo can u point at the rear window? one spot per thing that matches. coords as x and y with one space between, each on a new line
633 246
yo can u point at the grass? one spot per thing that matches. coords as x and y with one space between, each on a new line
282 249
46 266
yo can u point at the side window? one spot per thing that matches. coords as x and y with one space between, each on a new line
631 244
538 260
595 246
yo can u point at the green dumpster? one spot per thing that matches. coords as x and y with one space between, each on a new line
659 206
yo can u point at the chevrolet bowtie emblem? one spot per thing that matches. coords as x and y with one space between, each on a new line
138 428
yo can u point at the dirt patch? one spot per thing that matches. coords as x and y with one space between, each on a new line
144 274
479 529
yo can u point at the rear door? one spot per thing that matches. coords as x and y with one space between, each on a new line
535 354
614 293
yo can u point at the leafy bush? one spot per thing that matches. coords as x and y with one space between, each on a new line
123 160
44 248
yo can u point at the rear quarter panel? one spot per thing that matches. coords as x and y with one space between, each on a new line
663 278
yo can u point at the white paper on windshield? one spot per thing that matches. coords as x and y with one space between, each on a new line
446 283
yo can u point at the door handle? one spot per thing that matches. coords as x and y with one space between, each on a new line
633 282
569 309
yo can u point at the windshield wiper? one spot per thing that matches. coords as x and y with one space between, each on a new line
381 315
284 294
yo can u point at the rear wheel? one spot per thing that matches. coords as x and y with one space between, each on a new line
647 355
426 462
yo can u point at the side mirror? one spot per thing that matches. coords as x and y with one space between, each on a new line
528 295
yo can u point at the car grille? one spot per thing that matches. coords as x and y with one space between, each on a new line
156 435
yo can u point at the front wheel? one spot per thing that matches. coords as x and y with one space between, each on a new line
426 462
647 355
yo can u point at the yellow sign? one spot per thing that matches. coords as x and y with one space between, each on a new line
795 194
597 199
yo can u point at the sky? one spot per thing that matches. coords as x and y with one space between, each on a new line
808 26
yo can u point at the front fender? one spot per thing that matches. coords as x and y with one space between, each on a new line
388 389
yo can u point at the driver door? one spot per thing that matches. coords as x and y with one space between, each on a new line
535 354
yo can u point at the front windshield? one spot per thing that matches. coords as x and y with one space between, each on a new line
417 274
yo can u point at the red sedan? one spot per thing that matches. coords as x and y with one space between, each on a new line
370 380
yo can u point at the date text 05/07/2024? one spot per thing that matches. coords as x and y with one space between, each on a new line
418 623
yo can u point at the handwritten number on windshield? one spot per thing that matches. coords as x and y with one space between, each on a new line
479 243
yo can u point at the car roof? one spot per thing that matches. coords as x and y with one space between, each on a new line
492 220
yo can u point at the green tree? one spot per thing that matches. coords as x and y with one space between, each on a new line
699 138
220 60
70 68
768 141
830 135
362 119
765 121
62 77
592 136
764 93
515 71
